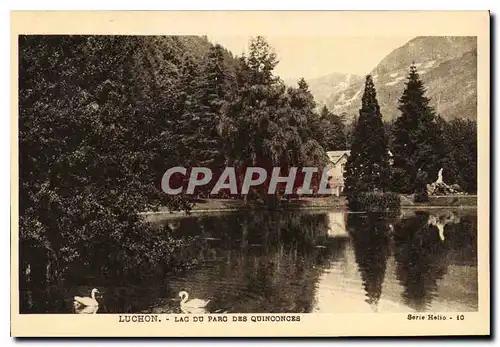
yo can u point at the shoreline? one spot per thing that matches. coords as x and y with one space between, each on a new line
339 204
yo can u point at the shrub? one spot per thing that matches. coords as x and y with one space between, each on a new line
374 201
421 194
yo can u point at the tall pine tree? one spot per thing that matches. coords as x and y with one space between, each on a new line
212 93
189 122
367 168
417 143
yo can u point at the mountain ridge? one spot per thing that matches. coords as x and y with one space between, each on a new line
322 87
447 66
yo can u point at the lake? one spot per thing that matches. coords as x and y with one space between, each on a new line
304 261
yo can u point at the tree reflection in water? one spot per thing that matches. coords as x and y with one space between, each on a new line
272 263
420 259
283 262
370 239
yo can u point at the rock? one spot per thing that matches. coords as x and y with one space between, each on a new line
441 188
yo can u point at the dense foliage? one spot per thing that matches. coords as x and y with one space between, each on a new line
423 143
368 167
332 130
94 123
417 143
421 193
268 125
374 201
101 118
460 160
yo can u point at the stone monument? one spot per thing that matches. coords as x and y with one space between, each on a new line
440 176
439 187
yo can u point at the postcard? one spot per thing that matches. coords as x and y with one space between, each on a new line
250 173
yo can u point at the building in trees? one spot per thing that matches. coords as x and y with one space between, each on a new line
338 159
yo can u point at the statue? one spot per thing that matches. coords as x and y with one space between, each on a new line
440 176
441 188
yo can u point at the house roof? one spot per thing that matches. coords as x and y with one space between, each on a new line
335 156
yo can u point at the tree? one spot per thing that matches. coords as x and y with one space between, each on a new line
331 131
460 162
91 117
307 125
370 240
421 193
367 168
417 143
205 91
267 125
250 116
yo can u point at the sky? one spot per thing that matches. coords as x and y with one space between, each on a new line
311 57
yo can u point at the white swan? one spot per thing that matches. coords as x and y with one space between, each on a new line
86 309
194 303
86 304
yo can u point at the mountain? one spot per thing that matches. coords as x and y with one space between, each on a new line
325 86
447 66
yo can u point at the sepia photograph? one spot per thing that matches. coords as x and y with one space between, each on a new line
250 177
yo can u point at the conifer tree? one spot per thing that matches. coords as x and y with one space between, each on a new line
305 122
367 168
331 131
417 142
213 90
188 122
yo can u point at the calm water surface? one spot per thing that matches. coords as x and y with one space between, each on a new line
307 262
